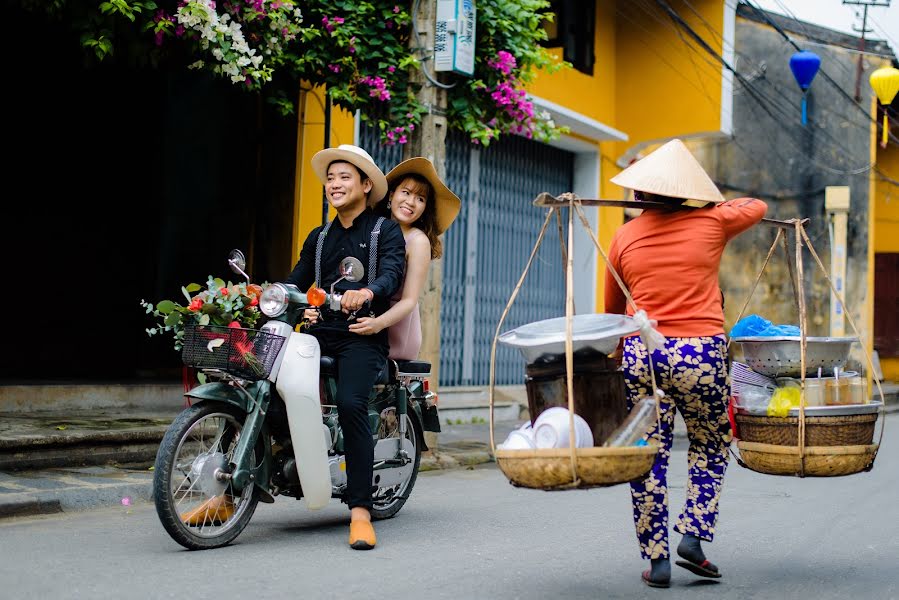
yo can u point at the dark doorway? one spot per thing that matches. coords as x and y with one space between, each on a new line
130 182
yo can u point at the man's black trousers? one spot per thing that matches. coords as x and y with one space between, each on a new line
359 360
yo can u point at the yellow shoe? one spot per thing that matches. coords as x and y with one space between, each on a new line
214 511
362 535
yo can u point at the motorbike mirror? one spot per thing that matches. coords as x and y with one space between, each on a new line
238 263
351 269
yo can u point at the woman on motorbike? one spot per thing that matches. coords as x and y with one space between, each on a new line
424 208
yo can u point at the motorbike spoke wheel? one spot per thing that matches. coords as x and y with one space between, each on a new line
387 501
197 508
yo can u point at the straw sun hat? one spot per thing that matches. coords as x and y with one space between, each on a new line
355 156
671 170
446 202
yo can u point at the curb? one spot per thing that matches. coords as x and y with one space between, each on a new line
70 490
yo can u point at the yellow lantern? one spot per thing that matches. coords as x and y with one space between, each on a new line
885 82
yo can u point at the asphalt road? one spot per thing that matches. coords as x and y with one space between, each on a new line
469 534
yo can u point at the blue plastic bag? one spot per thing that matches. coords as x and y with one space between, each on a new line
750 325
756 326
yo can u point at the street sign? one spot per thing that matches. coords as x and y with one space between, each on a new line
454 44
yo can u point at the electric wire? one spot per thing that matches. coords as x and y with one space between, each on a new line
763 100
426 56
824 74
789 101
760 98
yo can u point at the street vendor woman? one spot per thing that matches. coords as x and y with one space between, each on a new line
668 258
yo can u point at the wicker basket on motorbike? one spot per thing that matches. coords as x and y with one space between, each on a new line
245 353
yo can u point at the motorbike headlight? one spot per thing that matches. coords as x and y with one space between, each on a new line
274 301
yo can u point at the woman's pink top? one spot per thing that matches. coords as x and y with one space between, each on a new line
405 334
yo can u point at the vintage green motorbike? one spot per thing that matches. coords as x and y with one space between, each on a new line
266 425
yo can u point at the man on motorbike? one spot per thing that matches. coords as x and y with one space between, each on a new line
352 183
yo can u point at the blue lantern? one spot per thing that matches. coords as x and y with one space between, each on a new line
805 66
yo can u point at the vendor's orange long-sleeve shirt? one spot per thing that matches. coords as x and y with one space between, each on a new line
669 262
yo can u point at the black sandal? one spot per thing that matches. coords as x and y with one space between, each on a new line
703 569
645 576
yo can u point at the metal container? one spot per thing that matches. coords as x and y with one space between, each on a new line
545 340
780 356
821 411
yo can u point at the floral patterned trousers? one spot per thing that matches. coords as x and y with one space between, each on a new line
693 374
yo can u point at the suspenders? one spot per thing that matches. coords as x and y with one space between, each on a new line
372 251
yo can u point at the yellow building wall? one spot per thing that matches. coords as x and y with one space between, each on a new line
667 86
310 139
886 223
646 82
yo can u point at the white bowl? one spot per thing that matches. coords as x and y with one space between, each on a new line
551 429
520 439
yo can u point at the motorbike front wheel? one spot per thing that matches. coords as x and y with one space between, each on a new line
387 501
196 507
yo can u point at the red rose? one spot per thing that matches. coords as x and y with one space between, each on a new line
196 304
234 325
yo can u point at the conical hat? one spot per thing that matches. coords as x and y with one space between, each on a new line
670 170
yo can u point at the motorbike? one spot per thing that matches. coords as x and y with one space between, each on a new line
265 424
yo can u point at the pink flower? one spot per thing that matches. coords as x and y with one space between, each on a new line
338 20
411 126
396 9
391 69
335 68
388 24
402 139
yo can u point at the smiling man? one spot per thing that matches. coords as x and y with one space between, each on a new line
352 183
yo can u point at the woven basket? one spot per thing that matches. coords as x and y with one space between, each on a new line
550 468
826 461
843 430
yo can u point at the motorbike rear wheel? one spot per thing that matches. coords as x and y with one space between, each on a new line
387 501
197 509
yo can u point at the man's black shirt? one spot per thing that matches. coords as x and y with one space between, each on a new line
341 242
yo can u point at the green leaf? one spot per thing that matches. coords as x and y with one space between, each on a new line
193 287
204 320
173 319
165 306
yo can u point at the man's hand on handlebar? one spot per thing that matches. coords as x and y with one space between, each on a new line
353 300
310 315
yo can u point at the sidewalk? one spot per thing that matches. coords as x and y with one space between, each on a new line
52 463
69 459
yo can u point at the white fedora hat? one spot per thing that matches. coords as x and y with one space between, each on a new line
355 156
446 203
671 170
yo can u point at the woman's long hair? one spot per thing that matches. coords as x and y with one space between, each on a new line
427 222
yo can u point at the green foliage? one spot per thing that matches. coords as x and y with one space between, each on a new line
220 303
360 50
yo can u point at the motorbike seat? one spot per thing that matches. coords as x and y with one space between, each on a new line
413 367
327 366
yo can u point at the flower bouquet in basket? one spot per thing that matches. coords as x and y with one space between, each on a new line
214 318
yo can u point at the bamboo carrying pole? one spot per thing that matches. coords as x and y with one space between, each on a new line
796 277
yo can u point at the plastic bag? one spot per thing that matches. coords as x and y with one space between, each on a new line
756 326
749 325
783 400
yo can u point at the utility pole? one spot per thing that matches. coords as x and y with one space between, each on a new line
861 41
429 140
